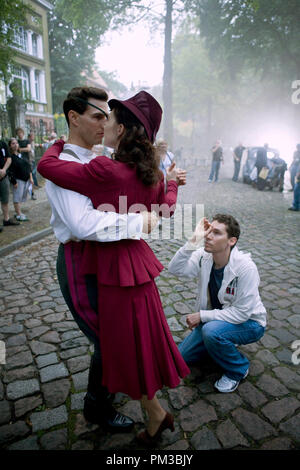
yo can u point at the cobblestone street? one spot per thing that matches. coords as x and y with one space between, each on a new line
44 380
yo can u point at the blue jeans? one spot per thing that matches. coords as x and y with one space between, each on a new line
293 172
237 166
33 172
218 339
296 202
214 172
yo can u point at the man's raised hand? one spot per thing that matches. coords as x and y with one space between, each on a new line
203 228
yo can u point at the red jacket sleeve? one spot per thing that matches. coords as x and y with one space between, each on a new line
78 177
167 199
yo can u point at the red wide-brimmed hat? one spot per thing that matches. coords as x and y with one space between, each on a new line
146 109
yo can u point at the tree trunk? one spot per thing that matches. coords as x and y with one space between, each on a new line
167 77
209 121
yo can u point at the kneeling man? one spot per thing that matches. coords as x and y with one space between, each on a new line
230 310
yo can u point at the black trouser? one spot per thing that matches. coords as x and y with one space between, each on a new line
237 166
260 182
95 373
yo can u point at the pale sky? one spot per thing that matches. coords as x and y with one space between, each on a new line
133 55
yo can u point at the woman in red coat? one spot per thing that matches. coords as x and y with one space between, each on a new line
139 355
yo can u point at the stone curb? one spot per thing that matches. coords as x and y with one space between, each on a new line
25 241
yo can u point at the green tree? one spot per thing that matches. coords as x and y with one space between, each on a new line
173 11
75 31
255 44
262 33
201 90
13 15
113 83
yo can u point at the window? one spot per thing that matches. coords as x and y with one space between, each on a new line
34 45
20 74
20 39
37 85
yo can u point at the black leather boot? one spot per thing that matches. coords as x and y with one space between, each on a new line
98 408
105 415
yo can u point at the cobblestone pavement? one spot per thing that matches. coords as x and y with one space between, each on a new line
44 379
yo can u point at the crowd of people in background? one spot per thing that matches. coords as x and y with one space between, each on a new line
267 171
295 179
18 171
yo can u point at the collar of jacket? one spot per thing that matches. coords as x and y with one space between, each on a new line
236 260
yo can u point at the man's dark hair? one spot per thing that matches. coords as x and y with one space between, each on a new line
231 224
83 93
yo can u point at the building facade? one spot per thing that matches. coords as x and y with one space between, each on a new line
31 69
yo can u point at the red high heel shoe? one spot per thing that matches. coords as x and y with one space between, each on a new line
145 438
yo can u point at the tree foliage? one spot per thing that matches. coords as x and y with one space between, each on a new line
12 16
114 85
265 32
201 92
75 31
254 46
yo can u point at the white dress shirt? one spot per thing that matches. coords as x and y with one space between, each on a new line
74 217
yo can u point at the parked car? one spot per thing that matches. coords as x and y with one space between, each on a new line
277 167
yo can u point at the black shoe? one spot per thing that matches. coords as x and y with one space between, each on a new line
293 209
10 222
1 229
106 416
33 197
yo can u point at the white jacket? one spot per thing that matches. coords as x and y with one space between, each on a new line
238 294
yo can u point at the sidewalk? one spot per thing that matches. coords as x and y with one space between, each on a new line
38 213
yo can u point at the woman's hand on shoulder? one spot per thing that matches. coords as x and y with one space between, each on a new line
59 143
181 177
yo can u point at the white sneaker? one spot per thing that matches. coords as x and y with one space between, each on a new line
227 385
22 218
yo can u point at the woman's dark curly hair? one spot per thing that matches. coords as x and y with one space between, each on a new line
135 148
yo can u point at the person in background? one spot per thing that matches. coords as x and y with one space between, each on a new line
294 166
260 163
5 163
237 158
217 158
24 144
20 177
165 157
53 138
32 156
49 141
296 203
